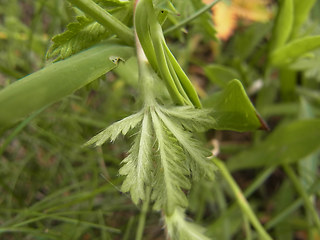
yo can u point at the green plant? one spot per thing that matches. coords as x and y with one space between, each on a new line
168 159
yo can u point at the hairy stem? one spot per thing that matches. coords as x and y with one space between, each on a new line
106 19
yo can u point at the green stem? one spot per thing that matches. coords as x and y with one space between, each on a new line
291 208
158 43
243 203
145 75
313 213
247 193
106 19
191 18
258 181
143 214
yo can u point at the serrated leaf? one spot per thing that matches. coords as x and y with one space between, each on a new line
233 110
84 32
112 132
197 155
79 35
171 173
181 229
137 166
192 119
287 144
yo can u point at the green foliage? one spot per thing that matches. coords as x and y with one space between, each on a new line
51 188
121 127
164 154
86 32
220 75
282 146
283 25
79 35
138 165
179 228
203 23
301 14
310 66
171 172
233 110
294 50
35 90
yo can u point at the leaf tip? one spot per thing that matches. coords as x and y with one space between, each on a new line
264 125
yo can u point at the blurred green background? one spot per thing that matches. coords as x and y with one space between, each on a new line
52 188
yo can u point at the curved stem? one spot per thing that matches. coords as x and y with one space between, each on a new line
145 74
106 19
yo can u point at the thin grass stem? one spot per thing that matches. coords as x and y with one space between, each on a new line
191 18
308 205
242 201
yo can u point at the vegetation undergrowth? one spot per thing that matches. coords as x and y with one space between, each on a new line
177 81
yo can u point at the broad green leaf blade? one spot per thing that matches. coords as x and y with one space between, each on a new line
232 110
58 80
283 24
294 50
287 144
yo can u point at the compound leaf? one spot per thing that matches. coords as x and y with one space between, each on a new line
171 172
192 119
85 32
112 132
137 166
196 153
